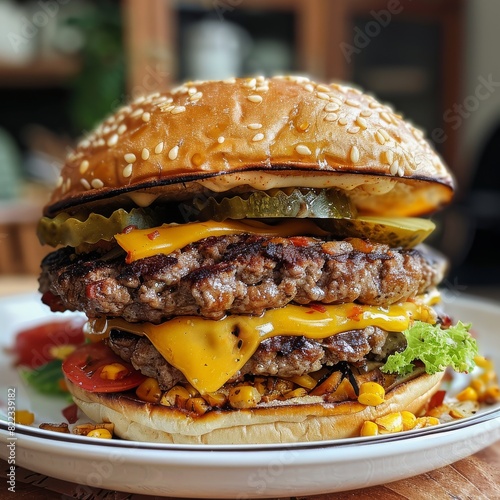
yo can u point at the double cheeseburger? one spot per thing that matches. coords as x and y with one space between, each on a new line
248 254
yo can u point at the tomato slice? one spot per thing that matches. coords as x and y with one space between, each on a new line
32 345
83 367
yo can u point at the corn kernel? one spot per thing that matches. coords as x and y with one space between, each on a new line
217 399
478 385
296 393
468 394
491 395
369 428
191 390
197 405
113 371
176 396
100 433
260 387
244 396
149 391
61 351
24 417
422 422
372 388
409 420
84 429
392 422
437 411
370 399
482 362
305 381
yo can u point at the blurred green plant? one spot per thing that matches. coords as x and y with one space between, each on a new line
101 82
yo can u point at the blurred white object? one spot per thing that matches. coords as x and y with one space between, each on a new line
10 167
269 57
215 49
18 43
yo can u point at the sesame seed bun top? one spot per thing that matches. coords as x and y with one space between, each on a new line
255 133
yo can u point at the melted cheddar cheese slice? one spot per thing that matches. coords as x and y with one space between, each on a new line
210 352
141 243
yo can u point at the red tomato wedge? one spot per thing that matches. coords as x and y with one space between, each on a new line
83 367
32 345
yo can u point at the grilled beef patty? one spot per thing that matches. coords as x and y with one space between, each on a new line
240 274
278 356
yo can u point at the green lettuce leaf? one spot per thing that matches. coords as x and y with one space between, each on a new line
437 348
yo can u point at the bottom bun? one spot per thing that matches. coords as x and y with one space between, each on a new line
296 420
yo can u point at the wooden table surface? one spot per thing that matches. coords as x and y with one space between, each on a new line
476 477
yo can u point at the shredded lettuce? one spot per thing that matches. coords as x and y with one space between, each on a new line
46 379
437 349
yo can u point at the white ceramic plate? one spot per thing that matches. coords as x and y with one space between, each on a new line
238 471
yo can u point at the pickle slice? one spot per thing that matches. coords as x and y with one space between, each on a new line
296 203
403 232
75 230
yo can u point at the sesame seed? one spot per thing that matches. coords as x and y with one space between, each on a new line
145 154
323 95
258 137
262 88
122 128
192 90
100 142
146 116
342 121
196 96
85 143
84 166
351 102
140 99
127 171
361 122
85 183
255 98
167 109
394 168
323 88
336 100
332 106
59 181
159 148
303 150
97 183
173 153
385 117
130 157
309 87
380 138
401 171
178 109
106 129
366 113
385 134
254 126
388 157
331 117
353 130
113 140
250 83
137 112
354 154
229 80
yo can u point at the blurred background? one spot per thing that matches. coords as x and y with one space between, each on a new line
66 64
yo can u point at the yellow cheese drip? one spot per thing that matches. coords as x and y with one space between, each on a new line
141 243
210 352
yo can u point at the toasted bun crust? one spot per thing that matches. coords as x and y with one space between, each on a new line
295 420
259 133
